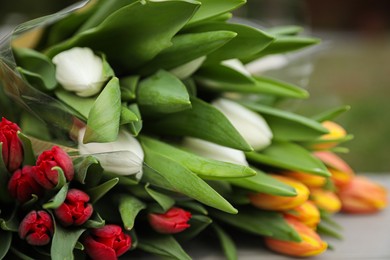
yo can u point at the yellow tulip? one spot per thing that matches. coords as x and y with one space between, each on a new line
274 202
326 200
310 180
335 132
310 245
307 213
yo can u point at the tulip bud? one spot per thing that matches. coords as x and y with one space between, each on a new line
173 221
12 149
75 210
44 173
214 151
310 180
326 200
307 213
310 245
335 132
107 243
274 202
81 71
249 124
342 173
22 184
36 228
361 195
123 156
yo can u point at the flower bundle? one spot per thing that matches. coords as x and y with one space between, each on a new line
142 128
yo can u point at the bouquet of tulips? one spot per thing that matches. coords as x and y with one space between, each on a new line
141 125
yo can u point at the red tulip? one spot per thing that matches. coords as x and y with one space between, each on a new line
12 149
45 175
173 221
362 196
310 245
107 243
75 210
22 184
36 228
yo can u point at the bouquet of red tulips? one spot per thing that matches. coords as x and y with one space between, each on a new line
143 124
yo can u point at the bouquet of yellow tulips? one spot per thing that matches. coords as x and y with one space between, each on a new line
139 126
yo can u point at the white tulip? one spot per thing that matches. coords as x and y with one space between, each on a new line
123 156
249 124
214 151
187 69
237 65
79 70
271 62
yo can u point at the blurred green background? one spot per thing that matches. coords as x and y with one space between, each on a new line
351 66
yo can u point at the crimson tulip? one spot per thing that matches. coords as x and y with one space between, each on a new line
173 221
44 173
37 228
22 184
107 243
75 210
12 148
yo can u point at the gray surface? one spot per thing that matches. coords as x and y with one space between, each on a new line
365 237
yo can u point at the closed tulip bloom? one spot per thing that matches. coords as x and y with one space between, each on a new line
79 70
75 210
310 245
12 149
214 151
123 156
341 172
310 180
326 200
107 243
22 184
335 132
249 124
175 220
274 202
307 213
37 228
362 195
44 173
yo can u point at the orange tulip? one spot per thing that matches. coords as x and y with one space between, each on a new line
362 196
325 199
310 180
307 213
274 202
310 245
342 173
335 132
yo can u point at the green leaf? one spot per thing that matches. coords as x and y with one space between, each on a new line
289 156
10 224
127 116
173 176
228 246
265 184
286 125
104 116
248 41
285 30
137 38
193 206
136 126
61 178
162 93
28 153
258 222
58 199
129 207
186 48
129 88
36 67
328 231
64 241
163 245
331 114
198 223
99 191
6 240
81 105
204 167
85 164
163 200
95 221
213 8
222 78
193 122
